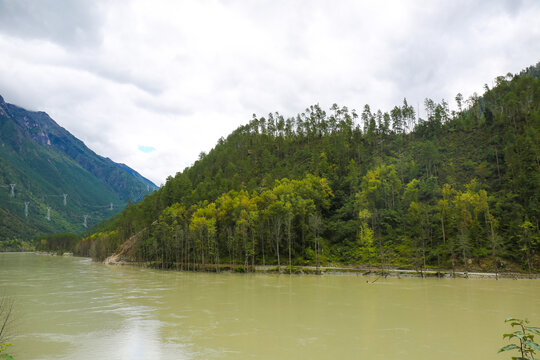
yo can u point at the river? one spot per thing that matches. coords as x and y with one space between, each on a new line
73 308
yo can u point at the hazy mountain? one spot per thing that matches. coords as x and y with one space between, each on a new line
44 162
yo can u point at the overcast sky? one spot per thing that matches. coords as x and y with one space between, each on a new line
153 83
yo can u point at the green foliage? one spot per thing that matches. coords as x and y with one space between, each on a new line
5 356
98 246
527 347
59 243
457 189
16 244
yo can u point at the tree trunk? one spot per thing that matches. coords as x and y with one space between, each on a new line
289 224
494 249
277 236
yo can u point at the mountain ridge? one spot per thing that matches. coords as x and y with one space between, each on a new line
45 161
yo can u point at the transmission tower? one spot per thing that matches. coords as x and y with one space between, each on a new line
12 192
65 199
26 208
85 223
111 208
48 213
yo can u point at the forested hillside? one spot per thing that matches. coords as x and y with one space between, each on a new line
453 189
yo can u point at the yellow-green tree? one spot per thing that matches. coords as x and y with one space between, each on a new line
203 228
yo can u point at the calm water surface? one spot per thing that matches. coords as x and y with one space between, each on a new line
72 308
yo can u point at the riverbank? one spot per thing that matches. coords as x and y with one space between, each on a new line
50 253
395 272
325 270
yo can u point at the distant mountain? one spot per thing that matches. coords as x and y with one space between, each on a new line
44 161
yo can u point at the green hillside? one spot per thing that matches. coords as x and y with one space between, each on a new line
44 162
456 189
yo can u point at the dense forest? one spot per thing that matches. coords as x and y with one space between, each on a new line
454 189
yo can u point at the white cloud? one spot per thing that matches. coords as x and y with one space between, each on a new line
179 75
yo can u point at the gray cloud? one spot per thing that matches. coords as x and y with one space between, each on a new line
68 23
179 75
167 109
119 75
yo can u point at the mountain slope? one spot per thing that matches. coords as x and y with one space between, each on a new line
457 189
44 162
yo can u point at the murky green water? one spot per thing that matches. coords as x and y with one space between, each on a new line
71 308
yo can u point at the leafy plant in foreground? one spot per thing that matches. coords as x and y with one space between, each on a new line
6 309
527 347
5 356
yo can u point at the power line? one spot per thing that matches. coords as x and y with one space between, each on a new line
97 208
